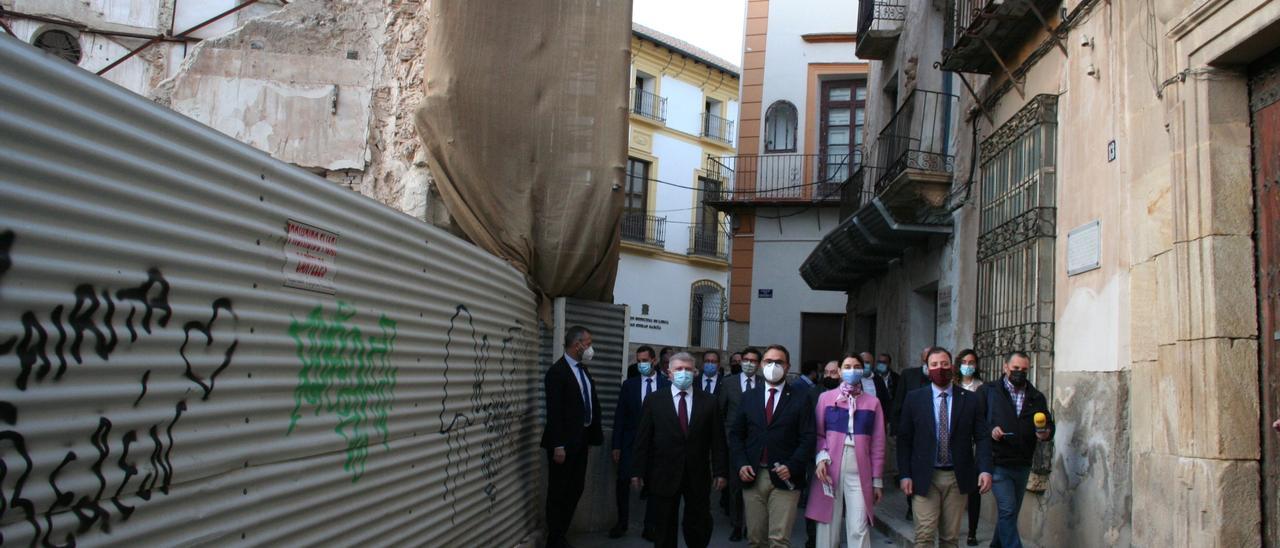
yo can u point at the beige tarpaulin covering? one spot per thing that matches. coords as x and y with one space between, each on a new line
525 124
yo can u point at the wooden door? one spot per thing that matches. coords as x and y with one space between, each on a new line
1264 106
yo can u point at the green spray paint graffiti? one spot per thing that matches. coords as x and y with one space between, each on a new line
345 373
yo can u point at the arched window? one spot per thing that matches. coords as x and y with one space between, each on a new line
59 42
707 307
780 127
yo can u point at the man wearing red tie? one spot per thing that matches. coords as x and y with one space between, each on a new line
771 444
679 448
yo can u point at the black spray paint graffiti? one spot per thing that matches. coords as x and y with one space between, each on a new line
492 406
91 329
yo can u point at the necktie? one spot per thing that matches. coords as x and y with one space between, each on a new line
768 419
750 384
944 433
684 414
648 389
586 397
707 389
768 407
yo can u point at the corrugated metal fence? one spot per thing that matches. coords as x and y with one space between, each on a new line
200 345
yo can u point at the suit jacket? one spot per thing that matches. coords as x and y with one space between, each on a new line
910 379
565 411
662 448
700 382
789 437
918 439
626 418
730 396
887 395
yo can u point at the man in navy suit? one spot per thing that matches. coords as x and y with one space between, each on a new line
771 445
572 425
626 419
938 432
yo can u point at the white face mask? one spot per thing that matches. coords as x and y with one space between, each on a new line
589 353
773 372
748 368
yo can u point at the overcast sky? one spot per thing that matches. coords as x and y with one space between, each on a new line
713 25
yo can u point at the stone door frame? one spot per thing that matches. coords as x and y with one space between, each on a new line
1215 302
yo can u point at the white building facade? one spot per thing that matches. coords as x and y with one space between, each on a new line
799 140
674 267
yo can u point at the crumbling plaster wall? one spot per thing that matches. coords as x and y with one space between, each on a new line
328 86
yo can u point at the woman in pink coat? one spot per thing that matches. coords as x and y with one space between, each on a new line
850 460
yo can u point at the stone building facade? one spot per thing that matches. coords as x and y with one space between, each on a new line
1101 196
328 86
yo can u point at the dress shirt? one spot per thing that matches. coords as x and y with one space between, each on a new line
742 382
937 402
1019 396
715 381
688 401
869 386
651 380
777 396
579 377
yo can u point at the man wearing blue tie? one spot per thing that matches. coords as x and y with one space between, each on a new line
944 452
573 424
626 419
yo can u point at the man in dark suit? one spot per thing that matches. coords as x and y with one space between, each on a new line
886 380
626 420
938 432
730 398
771 445
573 424
910 379
679 448
711 374
643 354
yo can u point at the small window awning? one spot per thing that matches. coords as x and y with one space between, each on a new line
863 245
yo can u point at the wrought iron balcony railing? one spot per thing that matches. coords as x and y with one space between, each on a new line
708 240
715 127
781 177
639 227
859 190
879 25
649 105
989 33
917 137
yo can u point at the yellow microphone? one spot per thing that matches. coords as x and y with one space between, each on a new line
1042 422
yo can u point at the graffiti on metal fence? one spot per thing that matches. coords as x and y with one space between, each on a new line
347 374
43 492
493 404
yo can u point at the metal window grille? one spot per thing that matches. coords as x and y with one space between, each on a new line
1016 242
708 308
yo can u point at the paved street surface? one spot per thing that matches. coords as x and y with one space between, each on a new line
719 539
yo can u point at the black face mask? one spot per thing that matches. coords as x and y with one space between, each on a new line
830 383
1018 378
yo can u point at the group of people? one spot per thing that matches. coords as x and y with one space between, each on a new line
765 439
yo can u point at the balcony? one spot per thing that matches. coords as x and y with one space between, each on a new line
879 25
914 155
708 240
644 229
717 128
779 179
648 105
895 201
989 33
